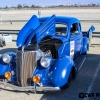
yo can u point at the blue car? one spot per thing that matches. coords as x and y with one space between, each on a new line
50 52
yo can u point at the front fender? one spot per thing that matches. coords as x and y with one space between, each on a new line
8 67
60 71
3 68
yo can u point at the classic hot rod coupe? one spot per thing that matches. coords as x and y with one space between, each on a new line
51 50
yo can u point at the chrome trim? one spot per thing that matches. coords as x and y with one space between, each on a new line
22 64
26 64
29 87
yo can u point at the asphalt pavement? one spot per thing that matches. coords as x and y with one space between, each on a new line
86 85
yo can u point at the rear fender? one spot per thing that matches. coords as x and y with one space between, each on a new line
85 45
60 71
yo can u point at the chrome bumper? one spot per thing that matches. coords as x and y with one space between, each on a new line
28 88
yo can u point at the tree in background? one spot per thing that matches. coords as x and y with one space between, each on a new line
19 6
33 6
6 7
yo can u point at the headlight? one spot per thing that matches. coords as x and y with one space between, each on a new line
45 61
6 58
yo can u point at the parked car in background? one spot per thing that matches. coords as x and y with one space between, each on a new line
2 42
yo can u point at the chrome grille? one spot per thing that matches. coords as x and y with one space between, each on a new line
26 63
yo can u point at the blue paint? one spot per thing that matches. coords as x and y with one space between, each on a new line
85 45
46 29
58 72
61 19
43 73
29 27
8 67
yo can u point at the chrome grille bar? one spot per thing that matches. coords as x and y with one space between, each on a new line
26 62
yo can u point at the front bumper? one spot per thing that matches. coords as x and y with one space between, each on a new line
28 88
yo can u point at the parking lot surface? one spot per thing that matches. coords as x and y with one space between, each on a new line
87 80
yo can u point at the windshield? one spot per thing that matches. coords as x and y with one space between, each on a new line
61 29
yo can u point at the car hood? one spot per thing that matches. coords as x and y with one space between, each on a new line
33 28
28 28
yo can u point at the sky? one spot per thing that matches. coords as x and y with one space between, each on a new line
10 3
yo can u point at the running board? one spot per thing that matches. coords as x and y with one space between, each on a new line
79 62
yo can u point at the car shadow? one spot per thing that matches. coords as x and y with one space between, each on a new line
80 83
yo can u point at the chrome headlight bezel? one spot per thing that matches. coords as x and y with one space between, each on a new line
6 58
45 61
39 54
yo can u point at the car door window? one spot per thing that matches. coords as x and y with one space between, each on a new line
74 29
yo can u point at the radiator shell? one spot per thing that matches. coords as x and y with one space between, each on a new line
26 63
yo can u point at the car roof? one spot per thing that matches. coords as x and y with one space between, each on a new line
61 19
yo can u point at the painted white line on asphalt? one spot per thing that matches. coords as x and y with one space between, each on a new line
93 80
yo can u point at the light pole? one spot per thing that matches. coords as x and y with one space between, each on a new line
39 13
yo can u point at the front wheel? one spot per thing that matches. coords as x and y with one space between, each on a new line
68 82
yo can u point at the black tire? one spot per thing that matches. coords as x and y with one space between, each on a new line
68 82
4 43
1 45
